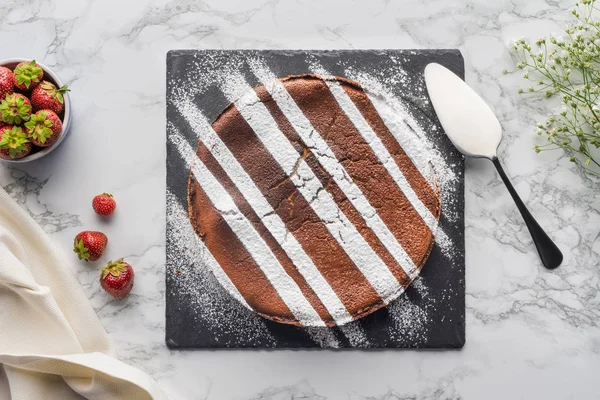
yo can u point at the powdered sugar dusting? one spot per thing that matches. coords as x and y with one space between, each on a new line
322 202
409 133
190 261
189 265
326 157
356 335
263 209
409 320
414 142
324 337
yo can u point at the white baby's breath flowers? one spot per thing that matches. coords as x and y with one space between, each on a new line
568 67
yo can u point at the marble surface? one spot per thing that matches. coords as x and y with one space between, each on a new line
531 333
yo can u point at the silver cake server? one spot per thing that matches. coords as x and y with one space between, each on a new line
476 132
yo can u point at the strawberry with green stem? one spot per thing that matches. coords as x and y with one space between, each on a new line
27 75
44 128
15 108
13 143
47 96
89 245
7 85
117 278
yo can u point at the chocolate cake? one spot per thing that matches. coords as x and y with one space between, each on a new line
309 204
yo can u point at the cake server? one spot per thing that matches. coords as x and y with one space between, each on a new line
476 132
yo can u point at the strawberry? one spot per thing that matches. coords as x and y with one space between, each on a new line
47 96
117 278
89 245
27 75
13 143
15 108
7 85
104 204
43 128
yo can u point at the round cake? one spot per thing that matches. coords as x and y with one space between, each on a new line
309 204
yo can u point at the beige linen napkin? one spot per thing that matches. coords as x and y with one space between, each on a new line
52 345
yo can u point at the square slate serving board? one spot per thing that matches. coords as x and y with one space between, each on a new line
201 314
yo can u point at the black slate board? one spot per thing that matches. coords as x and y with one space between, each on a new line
199 312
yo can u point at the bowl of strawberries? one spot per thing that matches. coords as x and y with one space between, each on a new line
35 110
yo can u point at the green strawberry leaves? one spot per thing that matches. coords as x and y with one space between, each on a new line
114 268
14 110
55 92
81 251
59 93
15 141
39 127
28 73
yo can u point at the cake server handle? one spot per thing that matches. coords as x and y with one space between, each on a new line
550 254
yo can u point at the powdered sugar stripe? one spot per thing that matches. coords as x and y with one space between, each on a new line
285 286
258 117
266 213
405 135
386 159
327 159
179 214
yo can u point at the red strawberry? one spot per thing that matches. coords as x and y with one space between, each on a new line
47 96
15 108
89 245
43 128
6 82
27 75
13 143
117 278
104 204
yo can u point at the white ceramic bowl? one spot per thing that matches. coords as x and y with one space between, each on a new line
52 77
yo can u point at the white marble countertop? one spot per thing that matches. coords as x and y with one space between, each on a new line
531 333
